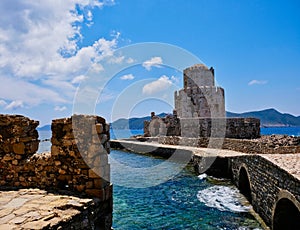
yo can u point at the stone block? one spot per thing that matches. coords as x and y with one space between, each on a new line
99 128
19 148
93 174
89 184
99 193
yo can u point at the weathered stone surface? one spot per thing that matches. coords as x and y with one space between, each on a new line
276 144
199 97
67 212
65 167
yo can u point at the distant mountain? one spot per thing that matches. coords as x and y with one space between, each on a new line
268 117
132 123
44 128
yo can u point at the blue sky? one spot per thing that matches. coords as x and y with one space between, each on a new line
47 49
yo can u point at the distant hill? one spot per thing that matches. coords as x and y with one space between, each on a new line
268 118
132 123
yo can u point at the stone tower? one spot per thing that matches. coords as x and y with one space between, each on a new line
199 97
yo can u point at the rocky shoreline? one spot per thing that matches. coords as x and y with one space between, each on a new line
278 140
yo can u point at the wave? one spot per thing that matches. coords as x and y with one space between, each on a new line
224 198
202 176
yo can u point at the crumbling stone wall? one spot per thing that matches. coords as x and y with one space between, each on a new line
18 142
77 162
162 126
80 145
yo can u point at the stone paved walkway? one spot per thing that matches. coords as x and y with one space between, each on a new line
288 162
152 146
38 209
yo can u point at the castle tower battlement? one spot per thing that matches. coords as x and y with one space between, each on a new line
199 97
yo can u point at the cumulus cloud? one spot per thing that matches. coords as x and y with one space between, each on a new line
18 89
79 79
39 52
159 85
60 109
127 77
15 105
257 82
154 61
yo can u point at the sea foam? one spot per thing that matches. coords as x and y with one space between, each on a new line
224 198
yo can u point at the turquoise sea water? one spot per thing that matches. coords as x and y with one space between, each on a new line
185 201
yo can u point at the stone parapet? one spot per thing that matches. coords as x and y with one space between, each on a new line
257 146
80 145
238 128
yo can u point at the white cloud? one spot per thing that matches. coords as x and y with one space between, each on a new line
257 82
159 85
39 52
127 77
78 79
3 103
13 89
154 61
15 105
60 109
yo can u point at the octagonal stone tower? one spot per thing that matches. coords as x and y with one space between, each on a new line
199 97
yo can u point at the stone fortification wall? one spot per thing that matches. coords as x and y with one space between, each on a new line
76 164
200 101
239 128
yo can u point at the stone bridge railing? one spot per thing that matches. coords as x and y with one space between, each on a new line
273 192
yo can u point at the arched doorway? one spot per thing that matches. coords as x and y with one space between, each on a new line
286 216
244 184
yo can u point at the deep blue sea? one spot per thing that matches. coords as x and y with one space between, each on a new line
291 131
186 201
